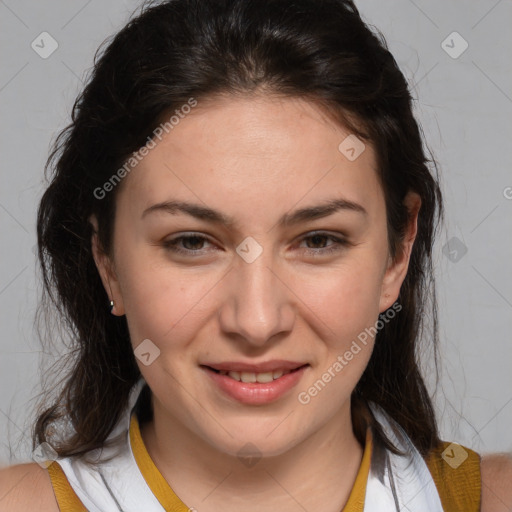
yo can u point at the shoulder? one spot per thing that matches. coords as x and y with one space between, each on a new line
467 480
496 482
456 473
26 487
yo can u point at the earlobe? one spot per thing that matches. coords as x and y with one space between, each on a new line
106 271
398 266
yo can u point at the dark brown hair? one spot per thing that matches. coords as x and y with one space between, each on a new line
171 51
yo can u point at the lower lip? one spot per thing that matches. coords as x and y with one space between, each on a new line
256 393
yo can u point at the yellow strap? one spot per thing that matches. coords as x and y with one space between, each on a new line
156 482
457 477
67 500
355 501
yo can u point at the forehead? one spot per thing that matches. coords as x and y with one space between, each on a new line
240 153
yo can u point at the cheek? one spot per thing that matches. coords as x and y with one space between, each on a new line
346 307
162 303
346 299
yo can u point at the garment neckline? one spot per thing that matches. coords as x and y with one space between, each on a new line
172 503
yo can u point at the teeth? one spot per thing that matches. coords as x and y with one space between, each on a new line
262 378
248 377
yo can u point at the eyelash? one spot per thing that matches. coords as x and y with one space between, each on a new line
338 245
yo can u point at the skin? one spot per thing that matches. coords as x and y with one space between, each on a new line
254 159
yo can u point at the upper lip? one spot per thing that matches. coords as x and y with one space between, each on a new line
267 366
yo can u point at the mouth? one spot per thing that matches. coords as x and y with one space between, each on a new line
244 384
252 377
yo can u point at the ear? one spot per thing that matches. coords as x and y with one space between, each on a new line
106 270
397 268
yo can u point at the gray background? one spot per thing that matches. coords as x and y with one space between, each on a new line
464 105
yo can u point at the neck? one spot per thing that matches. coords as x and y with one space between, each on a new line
210 480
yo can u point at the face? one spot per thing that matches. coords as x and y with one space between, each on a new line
226 260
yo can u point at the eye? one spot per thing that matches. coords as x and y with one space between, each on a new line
193 244
320 238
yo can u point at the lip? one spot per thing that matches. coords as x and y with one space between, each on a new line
256 393
267 366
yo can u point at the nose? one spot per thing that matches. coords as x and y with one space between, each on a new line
258 304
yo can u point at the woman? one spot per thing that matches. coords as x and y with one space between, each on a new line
239 231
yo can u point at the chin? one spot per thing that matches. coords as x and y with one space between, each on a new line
253 438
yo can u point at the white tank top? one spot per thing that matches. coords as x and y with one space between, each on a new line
395 483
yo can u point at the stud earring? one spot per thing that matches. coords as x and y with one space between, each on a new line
112 305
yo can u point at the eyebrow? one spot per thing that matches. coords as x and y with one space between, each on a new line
288 219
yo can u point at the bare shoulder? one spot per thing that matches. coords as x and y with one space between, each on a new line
26 487
496 482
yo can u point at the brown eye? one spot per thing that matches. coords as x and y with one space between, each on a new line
190 244
320 239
